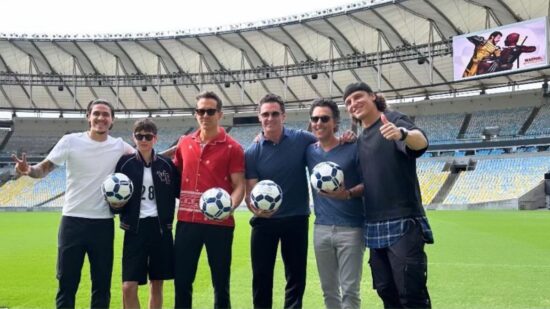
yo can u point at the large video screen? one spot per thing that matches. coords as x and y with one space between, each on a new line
514 47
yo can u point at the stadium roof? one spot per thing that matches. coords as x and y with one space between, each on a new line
402 48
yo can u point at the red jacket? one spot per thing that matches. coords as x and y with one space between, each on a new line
203 169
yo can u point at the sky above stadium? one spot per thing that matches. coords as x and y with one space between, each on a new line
133 16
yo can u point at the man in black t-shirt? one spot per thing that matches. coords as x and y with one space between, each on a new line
396 227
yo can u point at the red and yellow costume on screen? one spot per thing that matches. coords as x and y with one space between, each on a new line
483 50
202 169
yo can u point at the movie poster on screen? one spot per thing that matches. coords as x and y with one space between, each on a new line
502 50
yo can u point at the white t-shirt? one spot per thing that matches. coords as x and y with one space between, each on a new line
148 203
88 164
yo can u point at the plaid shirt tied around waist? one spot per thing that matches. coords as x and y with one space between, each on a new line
383 234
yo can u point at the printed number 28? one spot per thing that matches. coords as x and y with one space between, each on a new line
148 193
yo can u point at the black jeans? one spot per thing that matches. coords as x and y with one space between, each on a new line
218 240
266 234
400 271
78 236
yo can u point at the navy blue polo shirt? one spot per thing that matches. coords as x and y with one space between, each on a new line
284 163
330 211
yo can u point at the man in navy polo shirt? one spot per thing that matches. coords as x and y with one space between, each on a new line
279 156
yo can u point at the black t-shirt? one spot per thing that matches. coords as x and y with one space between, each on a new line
389 172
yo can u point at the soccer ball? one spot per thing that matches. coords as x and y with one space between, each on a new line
327 176
117 188
266 195
215 204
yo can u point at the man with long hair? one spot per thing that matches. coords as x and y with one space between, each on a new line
396 227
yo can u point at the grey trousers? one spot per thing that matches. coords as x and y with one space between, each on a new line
339 253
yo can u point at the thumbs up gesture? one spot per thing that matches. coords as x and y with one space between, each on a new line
389 130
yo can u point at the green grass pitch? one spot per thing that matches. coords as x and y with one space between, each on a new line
480 259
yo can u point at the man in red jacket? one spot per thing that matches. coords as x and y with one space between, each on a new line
207 158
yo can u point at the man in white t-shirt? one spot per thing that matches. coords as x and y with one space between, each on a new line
87 225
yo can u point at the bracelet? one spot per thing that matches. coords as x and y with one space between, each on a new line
349 194
404 134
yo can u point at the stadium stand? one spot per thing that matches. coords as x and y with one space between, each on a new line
345 123
297 124
509 121
245 134
13 189
3 134
55 202
443 128
431 177
498 179
166 136
169 137
39 135
453 115
541 123
28 192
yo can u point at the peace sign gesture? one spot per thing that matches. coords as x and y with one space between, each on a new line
21 165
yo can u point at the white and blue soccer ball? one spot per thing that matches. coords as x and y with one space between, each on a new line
215 204
266 195
327 176
117 188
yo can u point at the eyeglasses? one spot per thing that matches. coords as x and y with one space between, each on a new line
272 114
147 137
208 111
315 119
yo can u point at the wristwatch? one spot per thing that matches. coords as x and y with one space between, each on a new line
404 133
349 194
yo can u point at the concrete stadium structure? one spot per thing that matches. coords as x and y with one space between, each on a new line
401 48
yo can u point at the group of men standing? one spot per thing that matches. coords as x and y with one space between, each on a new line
379 205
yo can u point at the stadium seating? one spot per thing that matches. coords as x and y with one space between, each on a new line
167 136
492 179
345 124
498 179
3 134
28 192
541 123
56 202
508 120
442 128
245 134
296 124
431 177
38 136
